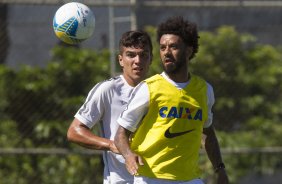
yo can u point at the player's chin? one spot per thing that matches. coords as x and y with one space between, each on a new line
169 65
169 68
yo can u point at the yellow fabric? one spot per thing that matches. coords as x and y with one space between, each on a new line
172 110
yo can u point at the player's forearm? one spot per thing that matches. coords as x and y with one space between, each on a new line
213 151
91 141
122 141
132 160
81 135
212 147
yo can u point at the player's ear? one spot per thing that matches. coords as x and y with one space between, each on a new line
189 52
120 60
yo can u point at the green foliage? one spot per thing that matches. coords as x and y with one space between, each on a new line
37 105
8 134
51 169
38 98
156 63
246 77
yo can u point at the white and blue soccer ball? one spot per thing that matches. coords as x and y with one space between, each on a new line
73 23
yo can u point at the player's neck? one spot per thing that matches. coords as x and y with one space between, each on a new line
130 81
179 77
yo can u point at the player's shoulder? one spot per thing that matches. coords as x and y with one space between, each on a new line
209 86
111 82
107 85
198 79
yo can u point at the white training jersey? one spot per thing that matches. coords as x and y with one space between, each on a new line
103 105
139 105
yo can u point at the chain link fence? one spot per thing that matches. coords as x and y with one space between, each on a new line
38 100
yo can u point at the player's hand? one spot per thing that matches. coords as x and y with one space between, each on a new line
132 162
113 147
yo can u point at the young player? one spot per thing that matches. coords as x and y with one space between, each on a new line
107 100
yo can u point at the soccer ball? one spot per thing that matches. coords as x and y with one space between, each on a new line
73 23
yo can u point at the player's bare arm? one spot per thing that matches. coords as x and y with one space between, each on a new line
82 135
213 151
132 160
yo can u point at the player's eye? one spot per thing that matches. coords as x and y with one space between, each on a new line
162 47
130 54
173 46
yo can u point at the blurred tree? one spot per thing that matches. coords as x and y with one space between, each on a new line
246 76
37 106
247 80
38 98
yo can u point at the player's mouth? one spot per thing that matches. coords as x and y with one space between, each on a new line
138 70
168 60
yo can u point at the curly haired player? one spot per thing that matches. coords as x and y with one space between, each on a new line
167 115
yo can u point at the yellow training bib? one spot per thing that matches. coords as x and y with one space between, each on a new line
169 136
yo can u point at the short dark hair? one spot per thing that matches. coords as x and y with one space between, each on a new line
138 39
182 28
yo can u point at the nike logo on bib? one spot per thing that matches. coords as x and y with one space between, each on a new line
168 134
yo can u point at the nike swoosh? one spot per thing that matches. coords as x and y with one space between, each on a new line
168 134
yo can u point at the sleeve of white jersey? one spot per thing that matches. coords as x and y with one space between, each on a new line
92 109
211 100
136 108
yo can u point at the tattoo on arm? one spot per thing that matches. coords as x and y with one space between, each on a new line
122 141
